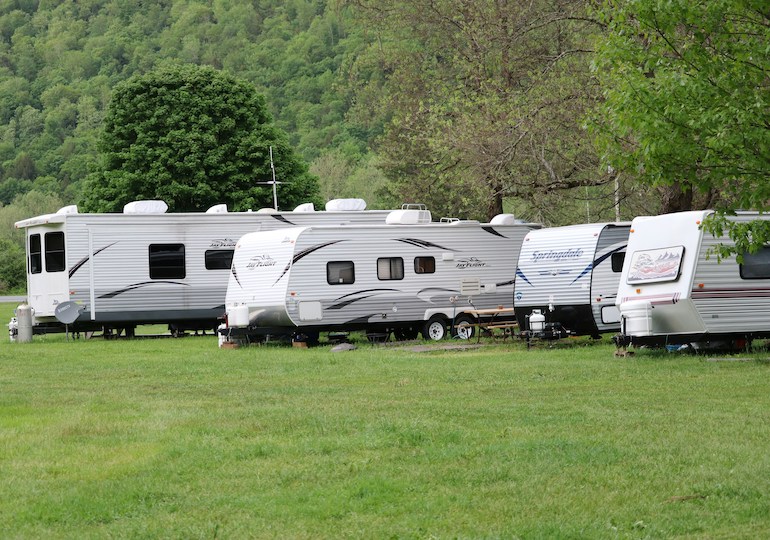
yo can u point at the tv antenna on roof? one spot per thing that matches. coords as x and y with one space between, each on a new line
274 183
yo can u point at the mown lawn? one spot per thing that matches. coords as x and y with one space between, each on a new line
176 438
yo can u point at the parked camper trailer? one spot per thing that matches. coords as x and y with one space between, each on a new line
406 276
567 280
145 266
673 290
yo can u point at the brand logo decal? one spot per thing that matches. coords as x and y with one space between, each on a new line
259 261
556 255
222 243
470 262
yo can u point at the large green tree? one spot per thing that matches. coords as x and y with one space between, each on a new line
193 137
483 101
687 100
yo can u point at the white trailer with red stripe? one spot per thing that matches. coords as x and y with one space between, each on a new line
674 289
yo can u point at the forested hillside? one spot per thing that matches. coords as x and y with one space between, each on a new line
471 106
60 60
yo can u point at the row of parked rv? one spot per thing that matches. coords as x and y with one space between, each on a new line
347 268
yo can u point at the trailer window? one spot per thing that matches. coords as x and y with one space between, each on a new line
756 265
340 272
655 265
54 252
390 268
424 265
617 260
167 261
219 259
35 255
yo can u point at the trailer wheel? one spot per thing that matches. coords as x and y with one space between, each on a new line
435 328
464 327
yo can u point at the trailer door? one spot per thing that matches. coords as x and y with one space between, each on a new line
48 281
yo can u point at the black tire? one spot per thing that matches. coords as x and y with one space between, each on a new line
464 327
435 328
405 334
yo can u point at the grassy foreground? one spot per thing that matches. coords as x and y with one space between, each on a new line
175 438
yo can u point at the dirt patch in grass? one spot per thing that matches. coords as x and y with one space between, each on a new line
412 347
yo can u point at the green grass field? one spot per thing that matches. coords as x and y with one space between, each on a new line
176 438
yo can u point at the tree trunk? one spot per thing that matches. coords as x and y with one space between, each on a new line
495 204
675 198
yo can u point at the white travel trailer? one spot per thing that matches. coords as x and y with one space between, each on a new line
673 290
567 279
405 276
145 266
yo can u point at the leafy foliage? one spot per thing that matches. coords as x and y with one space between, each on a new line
485 101
59 62
686 97
193 137
13 275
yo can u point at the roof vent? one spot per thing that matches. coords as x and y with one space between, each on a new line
145 207
504 219
306 207
408 217
345 205
71 209
217 209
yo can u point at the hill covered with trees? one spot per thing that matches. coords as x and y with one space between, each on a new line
473 107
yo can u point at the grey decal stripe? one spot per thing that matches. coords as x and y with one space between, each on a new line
304 253
84 260
490 230
598 261
113 294
364 292
235 275
361 320
345 303
437 289
281 218
422 243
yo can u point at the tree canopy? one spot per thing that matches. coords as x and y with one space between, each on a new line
471 106
485 102
193 137
686 89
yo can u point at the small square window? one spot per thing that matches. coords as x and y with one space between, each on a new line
340 272
617 259
390 268
35 254
167 261
55 261
218 259
756 265
424 265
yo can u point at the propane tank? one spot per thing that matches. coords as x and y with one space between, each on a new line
13 329
537 321
220 334
24 320
237 316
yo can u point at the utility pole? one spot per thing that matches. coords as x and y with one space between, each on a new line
273 182
611 172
